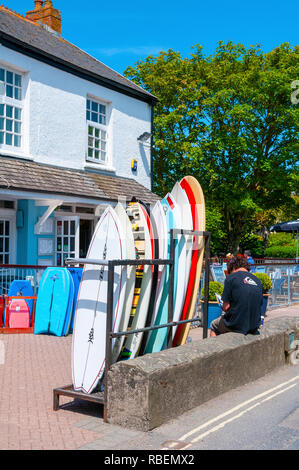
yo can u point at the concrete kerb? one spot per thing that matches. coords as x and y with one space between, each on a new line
146 392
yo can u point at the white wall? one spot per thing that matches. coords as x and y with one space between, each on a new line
55 120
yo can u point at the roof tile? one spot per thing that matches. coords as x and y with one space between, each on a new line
34 35
33 177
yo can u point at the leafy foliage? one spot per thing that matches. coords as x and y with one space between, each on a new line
215 287
281 245
228 120
252 242
265 280
284 251
281 239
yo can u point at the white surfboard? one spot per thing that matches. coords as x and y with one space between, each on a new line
159 218
131 277
142 292
181 256
89 335
176 210
184 248
182 200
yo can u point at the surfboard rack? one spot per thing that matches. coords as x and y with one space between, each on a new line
102 397
68 391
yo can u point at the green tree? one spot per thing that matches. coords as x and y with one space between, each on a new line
228 120
281 245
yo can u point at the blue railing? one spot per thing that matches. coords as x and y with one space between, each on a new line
10 273
284 277
284 292
285 283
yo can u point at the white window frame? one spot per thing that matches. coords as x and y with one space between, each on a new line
69 218
100 127
14 103
10 216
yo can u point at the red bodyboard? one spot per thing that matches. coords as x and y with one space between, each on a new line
2 307
18 314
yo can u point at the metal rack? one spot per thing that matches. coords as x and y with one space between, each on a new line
102 397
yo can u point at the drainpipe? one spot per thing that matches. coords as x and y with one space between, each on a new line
152 144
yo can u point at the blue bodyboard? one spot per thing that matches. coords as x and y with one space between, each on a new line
68 317
53 302
76 274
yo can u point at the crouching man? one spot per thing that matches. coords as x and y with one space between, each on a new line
242 299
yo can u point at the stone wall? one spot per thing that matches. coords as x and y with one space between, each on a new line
145 392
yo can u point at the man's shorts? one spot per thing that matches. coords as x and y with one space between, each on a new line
219 327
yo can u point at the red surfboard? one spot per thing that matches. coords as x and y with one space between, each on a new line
194 260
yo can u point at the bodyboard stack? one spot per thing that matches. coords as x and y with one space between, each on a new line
54 302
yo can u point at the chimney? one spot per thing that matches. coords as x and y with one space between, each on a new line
47 15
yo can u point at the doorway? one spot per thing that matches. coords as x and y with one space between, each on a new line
73 236
86 231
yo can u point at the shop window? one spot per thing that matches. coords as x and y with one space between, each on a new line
4 241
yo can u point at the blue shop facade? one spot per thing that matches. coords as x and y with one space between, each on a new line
44 233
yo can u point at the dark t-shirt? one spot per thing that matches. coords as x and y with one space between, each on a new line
244 292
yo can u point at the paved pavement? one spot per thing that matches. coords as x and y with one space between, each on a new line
31 366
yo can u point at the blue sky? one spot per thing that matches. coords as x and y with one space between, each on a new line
120 33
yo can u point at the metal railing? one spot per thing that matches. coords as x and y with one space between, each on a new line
275 260
284 292
222 260
285 282
10 273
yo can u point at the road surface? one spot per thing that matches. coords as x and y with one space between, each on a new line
262 415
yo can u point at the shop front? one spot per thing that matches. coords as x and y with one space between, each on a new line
32 232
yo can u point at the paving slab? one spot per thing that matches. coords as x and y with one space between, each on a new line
34 365
30 368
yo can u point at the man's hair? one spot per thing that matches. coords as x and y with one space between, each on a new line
247 252
237 263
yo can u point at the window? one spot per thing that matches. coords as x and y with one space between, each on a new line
4 241
10 125
10 108
96 112
11 84
66 239
85 210
96 116
7 205
64 209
